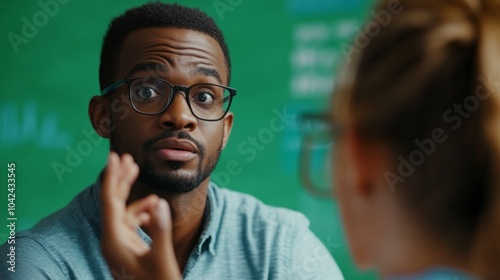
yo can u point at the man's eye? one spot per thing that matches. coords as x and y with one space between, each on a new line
203 98
145 92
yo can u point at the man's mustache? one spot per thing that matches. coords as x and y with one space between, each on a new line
179 134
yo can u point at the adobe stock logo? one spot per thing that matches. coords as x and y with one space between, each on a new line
254 145
223 6
380 20
454 117
39 19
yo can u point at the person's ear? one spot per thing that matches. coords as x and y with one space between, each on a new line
228 125
365 161
100 116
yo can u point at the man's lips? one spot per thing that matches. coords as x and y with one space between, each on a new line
176 150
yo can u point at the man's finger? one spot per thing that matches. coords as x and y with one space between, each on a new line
109 182
119 176
110 178
139 212
128 173
161 234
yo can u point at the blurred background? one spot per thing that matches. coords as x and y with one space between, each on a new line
284 54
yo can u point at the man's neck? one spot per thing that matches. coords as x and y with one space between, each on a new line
187 211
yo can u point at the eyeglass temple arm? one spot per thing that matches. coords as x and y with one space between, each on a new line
305 120
112 87
313 116
305 178
232 93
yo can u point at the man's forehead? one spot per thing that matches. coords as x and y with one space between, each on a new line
158 69
144 49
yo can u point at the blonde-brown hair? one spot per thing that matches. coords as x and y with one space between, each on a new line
431 70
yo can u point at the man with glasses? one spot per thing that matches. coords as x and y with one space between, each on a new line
164 106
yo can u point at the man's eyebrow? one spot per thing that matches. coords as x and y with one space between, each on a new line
206 72
151 68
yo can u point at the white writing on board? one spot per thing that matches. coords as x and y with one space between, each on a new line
313 56
23 124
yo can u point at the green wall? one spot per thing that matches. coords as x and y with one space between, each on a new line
284 55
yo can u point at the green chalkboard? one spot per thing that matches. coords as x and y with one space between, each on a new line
284 55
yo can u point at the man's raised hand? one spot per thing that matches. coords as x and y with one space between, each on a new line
127 255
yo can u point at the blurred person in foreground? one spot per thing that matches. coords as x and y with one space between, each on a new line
415 129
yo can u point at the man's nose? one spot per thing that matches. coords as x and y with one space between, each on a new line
178 116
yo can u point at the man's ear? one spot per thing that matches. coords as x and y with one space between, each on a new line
100 116
228 125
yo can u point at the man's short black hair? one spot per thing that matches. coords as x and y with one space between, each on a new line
149 16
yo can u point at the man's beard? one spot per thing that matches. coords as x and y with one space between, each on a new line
176 183
168 180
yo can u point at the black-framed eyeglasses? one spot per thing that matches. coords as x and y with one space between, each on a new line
316 153
152 96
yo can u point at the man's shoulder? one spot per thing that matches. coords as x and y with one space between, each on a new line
247 206
275 239
63 243
59 228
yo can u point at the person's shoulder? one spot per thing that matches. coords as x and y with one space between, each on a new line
38 247
58 243
246 205
57 224
25 257
51 228
281 233
58 228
